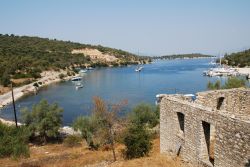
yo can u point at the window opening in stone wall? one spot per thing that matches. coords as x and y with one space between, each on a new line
181 120
209 134
220 102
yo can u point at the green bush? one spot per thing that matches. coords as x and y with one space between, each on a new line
145 114
13 141
137 141
61 76
5 79
240 59
72 141
86 126
215 86
232 82
44 120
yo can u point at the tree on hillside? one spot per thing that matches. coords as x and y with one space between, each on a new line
240 59
87 128
43 120
5 79
98 129
106 116
137 141
138 137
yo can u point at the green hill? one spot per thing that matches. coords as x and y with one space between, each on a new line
26 57
240 59
183 56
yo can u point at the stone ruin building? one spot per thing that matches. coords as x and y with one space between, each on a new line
212 130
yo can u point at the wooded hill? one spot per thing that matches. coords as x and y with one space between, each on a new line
183 56
26 57
240 59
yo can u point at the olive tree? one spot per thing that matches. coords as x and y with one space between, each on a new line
44 120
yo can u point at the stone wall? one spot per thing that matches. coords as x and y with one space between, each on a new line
235 100
210 137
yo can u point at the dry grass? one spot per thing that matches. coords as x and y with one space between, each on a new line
57 155
4 90
22 80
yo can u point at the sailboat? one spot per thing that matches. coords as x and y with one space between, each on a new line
138 69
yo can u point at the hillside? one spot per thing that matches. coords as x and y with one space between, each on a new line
240 59
183 56
27 57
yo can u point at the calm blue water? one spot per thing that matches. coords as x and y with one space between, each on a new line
115 84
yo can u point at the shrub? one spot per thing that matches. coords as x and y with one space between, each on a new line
72 141
44 120
5 79
215 86
36 85
61 76
137 141
234 83
86 126
13 141
145 114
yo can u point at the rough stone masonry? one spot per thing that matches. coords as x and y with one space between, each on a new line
212 130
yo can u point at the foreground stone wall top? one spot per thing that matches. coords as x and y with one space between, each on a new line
233 100
213 130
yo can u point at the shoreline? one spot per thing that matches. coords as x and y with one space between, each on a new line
48 77
67 130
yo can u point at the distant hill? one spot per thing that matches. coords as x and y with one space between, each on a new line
183 56
240 59
27 57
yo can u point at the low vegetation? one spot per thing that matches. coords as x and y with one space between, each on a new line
102 129
232 82
27 57
145 114
240 59
98 129
72 141
13 141
138 142
43 121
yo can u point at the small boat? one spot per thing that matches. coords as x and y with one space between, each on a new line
90 68
79 85
138 69
76 79
82 71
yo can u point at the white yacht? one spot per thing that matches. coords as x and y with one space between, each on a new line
138 69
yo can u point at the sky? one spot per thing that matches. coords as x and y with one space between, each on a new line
150 27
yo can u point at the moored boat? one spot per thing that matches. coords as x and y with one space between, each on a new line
79 85
76 79
138 69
